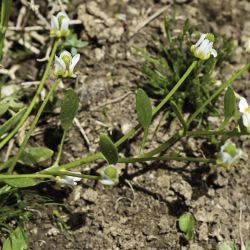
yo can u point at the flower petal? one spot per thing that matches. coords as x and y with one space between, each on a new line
225 158
60 63
54 23
246 120
65 24
107 182
214 53
75 60
243 105
202 37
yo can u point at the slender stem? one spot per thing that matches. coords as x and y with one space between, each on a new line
179 134
60 148
33 125
175 88
19 176
4 18
33 102
84 160
236 75
165 158
165 146
215 132
160 105
68 173
97 156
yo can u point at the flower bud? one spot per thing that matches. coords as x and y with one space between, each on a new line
65 64
228 154
110 175
203 49
60 25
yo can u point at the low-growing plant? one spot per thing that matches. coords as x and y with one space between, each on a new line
185 69
166 63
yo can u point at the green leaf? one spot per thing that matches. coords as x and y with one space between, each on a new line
15 241
179 115
186 225
21 182
11 122
108 149
248 245
69 108
34 155
144 112
3 107
225 246
229 103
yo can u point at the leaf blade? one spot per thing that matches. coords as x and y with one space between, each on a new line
229 103
69 108
108 149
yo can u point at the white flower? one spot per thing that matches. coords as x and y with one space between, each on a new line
204 47
65 64
246 120
248 46
60 25
110 176
244 107
229 154
68 180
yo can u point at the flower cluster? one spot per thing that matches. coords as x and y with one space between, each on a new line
228 154
65 64
110 175
60 25
203 49
244 109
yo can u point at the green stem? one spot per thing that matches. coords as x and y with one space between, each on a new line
33 125
84 160
68 173
165 158
236 75
97 156
33 102
19 176
178 135
175 88
216 133
160 105
60 149
4 18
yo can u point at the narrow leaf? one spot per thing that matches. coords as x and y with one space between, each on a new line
69 108
144 109
11 122
144 112
229 103
108 149
179 115
21 182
